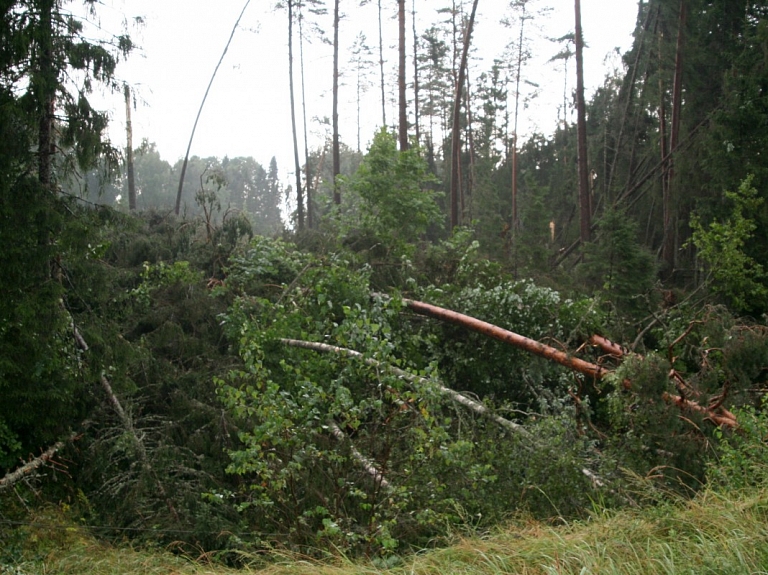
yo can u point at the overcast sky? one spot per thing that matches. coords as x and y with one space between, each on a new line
247 112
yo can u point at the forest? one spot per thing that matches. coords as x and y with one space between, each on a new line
422 340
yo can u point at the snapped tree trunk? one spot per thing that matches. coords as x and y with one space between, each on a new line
456 127
129 150
381 70
585 207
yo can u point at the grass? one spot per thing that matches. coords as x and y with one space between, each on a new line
714 533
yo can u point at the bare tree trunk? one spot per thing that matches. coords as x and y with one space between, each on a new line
518 75
307 165
335 121
46 96
585 208
381 69
415 73
129 150
456 128
403 127
668 248
200 110
296 162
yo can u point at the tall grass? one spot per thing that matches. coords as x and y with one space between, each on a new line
713 533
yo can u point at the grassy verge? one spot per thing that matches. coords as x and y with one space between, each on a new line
714 533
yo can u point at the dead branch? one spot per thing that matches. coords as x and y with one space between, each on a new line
35 463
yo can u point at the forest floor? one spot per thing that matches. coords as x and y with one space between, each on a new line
713 533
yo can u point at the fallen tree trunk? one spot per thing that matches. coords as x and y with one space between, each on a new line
510 337
719 416
459 398
35 463
368 465
478 408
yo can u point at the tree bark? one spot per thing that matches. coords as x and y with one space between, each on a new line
668 248
585 207
490 330
403 127
307 164
46 95
381 70
296 162
129 150
456 128
415 74
335 120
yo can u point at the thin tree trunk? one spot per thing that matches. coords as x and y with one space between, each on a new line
307 164
403 101
129 150
200 110
518 75
456 128
335 120
46 87
668 248
415 74
585 208
381 69
296 162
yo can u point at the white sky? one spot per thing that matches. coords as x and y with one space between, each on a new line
247 112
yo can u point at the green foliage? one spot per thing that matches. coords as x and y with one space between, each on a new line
742 460
396 206
617 266
736 276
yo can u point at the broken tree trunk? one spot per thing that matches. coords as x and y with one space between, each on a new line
34 464
718 416
510 337
368 465
459 398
